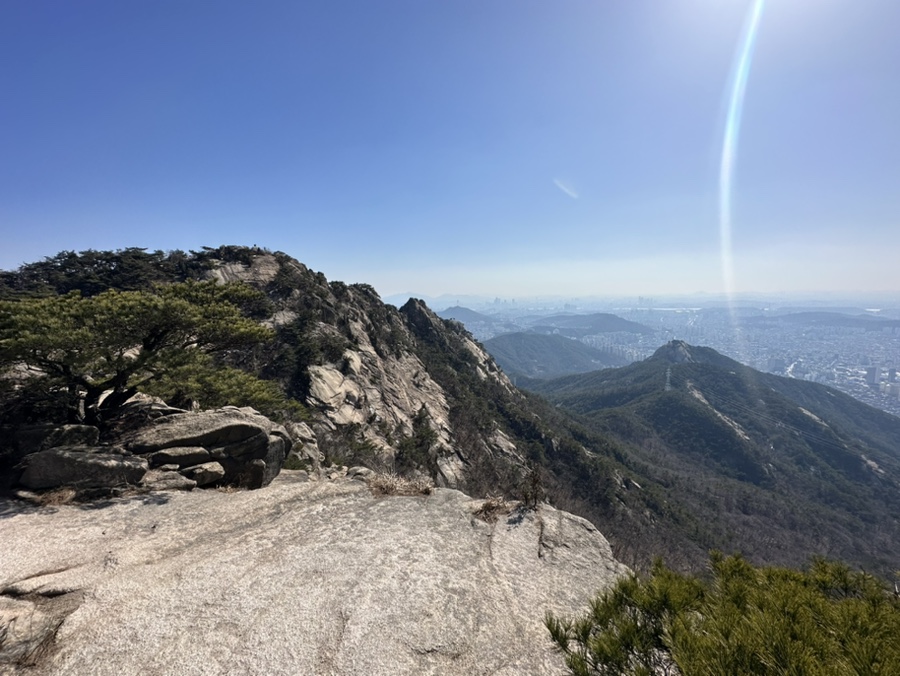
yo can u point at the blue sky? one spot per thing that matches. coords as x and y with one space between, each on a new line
503 147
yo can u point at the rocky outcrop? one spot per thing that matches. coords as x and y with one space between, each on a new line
229 446
315 577
225 427
370 381
370 390
262 269
247 448
304 453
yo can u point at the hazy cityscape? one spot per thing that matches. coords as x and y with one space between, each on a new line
853 348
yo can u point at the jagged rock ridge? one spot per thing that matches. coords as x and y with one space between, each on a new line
370 380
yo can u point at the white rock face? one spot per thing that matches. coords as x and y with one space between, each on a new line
261 271
314 577
371 389
487 368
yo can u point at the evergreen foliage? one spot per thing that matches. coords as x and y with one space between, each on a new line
203 382
826 620
417 450
116 343
91 272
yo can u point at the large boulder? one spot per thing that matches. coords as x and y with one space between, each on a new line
205 474
167 480
250 448
81 467
305 452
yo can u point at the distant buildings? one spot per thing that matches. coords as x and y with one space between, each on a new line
883 381
873 376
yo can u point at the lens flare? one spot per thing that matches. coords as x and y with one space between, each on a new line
730 143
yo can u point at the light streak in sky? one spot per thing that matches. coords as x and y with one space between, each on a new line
730 142
569 190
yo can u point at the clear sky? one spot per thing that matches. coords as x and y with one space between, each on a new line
503 147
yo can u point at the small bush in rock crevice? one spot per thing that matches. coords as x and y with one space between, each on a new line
392 484
493 508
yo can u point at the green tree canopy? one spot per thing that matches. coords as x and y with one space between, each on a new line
827 620
118 342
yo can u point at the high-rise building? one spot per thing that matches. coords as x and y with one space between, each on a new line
873 376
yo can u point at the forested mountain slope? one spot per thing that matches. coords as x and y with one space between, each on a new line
537 355
774 466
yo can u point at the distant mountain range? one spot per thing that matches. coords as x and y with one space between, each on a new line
537 355
485 326
578 326
765 464
465 315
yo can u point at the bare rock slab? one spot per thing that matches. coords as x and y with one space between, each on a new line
318 578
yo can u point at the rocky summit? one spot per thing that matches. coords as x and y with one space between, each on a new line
304 576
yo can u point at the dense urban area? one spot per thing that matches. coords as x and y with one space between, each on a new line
853 349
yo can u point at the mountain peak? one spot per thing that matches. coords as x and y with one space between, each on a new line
680 352
677 352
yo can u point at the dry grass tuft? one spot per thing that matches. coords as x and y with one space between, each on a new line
493 508
392 484
58 496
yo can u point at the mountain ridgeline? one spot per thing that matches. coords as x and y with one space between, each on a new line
540 355
673 456
772 466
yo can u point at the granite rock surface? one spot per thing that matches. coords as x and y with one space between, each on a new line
300 577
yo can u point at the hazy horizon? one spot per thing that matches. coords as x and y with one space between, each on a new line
507 148
867 301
